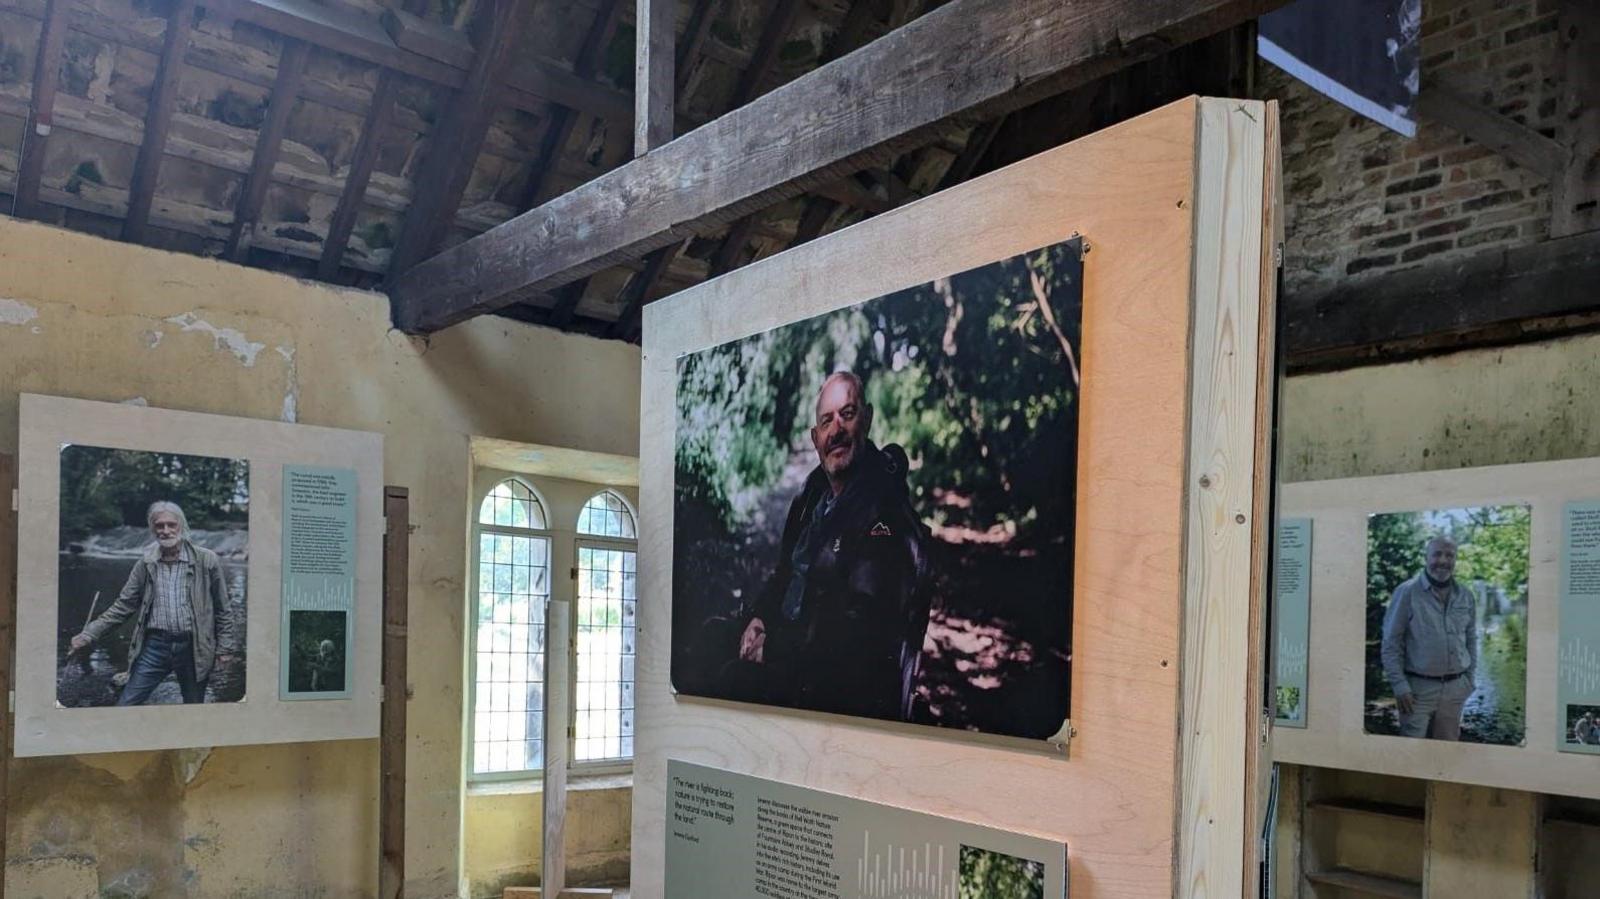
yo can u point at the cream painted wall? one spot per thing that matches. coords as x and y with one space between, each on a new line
1528 403
90 318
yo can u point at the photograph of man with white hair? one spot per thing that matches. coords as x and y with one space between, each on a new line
152 578
178 601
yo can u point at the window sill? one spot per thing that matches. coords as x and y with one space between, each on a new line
575 784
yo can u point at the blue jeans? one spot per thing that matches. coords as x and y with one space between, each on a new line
163 653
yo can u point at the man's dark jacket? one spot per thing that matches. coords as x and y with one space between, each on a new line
854 646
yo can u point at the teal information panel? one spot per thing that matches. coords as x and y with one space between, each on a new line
1578 687
732 836
319 582
1292 591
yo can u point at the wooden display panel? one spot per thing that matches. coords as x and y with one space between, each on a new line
1154 796
43 727
1334 735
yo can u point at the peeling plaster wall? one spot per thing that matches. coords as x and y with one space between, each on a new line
90 318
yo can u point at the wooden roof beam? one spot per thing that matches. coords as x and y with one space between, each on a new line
966 61
285 93
362 162
454 143
779 22
643 288
533 81
1484 298
158 120
558 131
36 134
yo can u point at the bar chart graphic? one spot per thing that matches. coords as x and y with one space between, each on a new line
890 872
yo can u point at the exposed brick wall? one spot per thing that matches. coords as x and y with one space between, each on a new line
1363 200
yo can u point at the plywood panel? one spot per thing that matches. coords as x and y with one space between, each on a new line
1334 737
1130 191
43 728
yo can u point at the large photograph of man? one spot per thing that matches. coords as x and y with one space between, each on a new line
874 507
1447 613
154 552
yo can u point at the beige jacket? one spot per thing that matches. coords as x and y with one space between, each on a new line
214 627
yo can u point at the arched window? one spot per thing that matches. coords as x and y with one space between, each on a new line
605 623
607 515
513 586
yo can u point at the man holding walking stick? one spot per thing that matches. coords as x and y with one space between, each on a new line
183 620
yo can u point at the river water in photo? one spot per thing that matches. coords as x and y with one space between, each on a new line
92 573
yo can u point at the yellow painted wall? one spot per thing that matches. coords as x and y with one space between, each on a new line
1529 403
85 317
503 844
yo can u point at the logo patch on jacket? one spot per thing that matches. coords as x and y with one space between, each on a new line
880 530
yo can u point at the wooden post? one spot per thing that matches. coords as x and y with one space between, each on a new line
8 616
392 741
653 76
557 744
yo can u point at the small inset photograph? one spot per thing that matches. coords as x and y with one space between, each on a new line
1447 624
317 641
153 561
1289 708
987 874
1583 725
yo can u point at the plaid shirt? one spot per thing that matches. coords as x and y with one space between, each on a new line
172 610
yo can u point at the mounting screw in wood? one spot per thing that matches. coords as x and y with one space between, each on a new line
1205 480
1239 518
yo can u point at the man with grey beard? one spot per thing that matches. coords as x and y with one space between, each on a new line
840 625
182 617
1430 646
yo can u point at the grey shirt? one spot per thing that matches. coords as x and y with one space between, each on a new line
1427 636
171 610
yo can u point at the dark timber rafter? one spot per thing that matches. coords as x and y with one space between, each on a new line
46 77
355 184
644 288
726 255
558 131
454 142
852 33
285 93
158 120
966 61
694 37
645 282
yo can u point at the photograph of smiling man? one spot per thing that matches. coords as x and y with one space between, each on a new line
1447 623
874 507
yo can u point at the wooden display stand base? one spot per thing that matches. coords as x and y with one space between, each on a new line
1159 794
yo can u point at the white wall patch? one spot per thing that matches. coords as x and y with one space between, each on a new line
16 312
230 339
